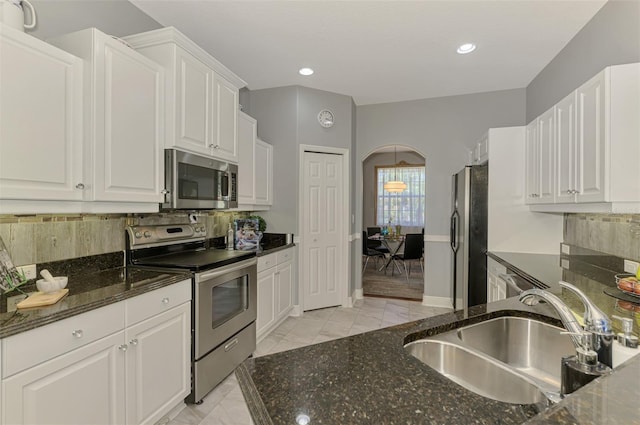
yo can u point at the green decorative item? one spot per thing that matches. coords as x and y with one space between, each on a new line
262 225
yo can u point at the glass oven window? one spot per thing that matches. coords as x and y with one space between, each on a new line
197 182
229 299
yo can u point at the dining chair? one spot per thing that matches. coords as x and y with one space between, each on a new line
374 244
369 252
413 246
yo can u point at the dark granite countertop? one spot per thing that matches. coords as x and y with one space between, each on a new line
370 379
86 292
266 249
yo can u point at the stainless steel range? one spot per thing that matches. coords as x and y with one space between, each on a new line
223 313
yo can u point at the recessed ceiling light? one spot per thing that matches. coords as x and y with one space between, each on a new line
466 48
306 71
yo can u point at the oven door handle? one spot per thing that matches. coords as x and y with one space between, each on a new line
227 269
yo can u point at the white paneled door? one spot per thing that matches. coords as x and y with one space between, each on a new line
323 258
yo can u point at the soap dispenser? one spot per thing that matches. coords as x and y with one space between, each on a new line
582 368
230 238
626 338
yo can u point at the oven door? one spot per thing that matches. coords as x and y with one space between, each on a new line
225 303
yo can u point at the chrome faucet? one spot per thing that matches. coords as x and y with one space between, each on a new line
597 323
533 296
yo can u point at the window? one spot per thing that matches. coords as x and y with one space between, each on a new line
404 208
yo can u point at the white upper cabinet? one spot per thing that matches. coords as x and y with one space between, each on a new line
532 163
225 140
247 134
566 182
202 94
592 126
264 173
597 131
41 120
546 147
123 132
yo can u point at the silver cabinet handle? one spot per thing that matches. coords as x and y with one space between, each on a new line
123 347
80 186
165 300
230 345
77 333
164 191
216 147
134 342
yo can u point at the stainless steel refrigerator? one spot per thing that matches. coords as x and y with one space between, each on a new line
469 236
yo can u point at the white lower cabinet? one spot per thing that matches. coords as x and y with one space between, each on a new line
496 286
82 372
275 290
158 365
84 386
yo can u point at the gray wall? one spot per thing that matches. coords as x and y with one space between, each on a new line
115 17
287 118
442 130
611 37
369 191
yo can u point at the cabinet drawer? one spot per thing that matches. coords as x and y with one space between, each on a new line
285 255
27 349
155 302
266 262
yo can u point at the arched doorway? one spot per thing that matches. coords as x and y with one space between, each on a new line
395 214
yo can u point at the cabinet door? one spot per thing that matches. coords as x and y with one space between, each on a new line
266 300
284 280
225 140
566 149
129 134
84 386
158 364
247 133
41 116
592 126
532 161
194 104
264 173
546 137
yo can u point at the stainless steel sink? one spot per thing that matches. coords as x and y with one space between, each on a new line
475 373
533 348
509 359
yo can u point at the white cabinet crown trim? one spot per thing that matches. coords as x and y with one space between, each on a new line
172 35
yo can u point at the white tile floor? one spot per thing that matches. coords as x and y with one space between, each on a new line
225 405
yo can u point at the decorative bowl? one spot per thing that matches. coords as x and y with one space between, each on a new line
48 287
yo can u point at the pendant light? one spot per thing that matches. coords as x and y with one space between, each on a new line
395 185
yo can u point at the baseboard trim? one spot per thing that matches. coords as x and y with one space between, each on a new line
442 302
359 294
296 311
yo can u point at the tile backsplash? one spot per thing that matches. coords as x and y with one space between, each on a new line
44 238
615 234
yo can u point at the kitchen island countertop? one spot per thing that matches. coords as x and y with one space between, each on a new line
370 379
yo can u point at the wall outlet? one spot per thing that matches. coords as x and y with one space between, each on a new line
565 249
29 271
631 266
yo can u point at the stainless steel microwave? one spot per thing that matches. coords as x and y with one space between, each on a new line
196 182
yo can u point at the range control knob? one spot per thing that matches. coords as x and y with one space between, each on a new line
138 235
147 234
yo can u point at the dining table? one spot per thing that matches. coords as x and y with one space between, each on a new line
393 242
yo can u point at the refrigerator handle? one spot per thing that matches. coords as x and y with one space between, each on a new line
454 231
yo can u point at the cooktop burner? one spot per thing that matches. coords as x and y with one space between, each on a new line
196 260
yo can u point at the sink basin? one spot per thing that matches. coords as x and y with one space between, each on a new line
476 373
531 347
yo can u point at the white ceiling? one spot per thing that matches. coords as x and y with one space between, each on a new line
380 51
